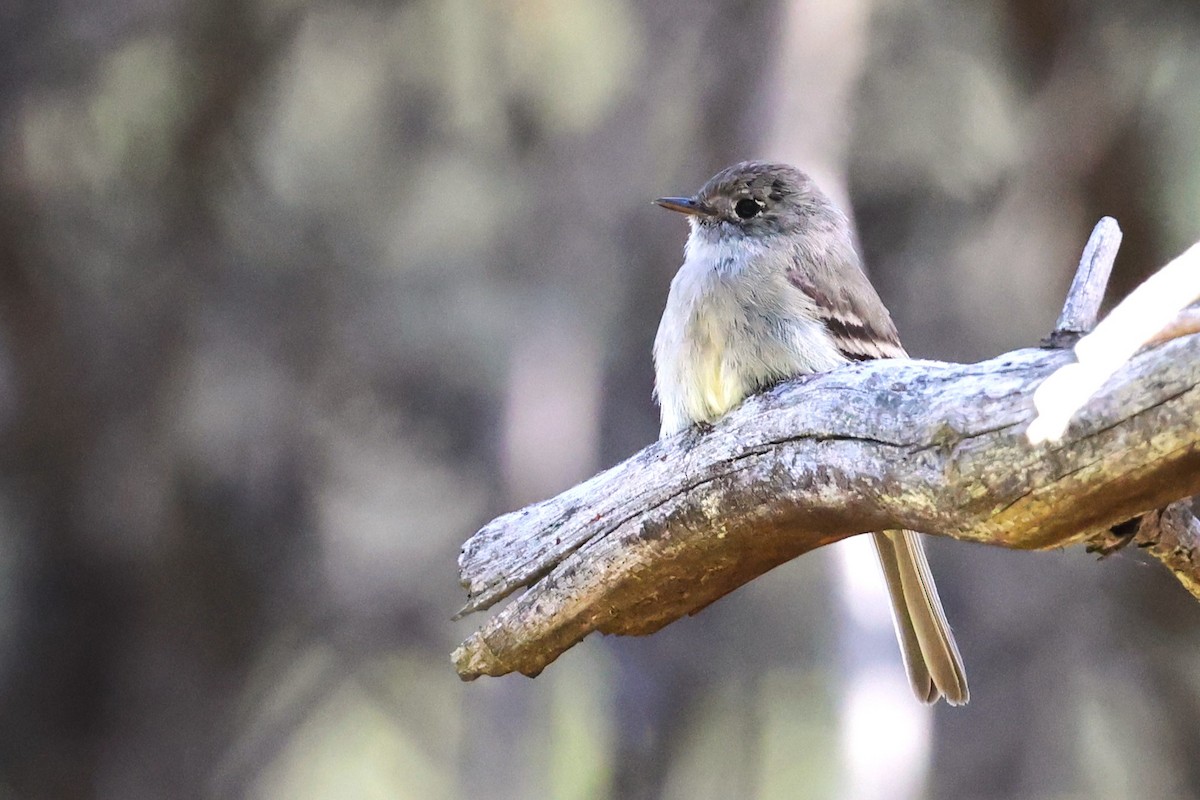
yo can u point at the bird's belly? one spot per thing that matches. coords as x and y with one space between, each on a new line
697 379
731 353
718 343
717 386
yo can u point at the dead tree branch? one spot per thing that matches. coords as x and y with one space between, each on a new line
935 447
1082 306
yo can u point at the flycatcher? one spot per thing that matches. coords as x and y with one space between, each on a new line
771 288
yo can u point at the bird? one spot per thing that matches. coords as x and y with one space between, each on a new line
772 288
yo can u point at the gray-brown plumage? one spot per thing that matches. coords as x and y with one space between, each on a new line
771 287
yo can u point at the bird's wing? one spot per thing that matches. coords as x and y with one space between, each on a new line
852 312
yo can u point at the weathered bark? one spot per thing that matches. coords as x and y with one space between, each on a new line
933 447
1082 307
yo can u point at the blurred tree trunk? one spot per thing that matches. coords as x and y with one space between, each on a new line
139 606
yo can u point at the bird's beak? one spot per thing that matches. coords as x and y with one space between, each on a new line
686 205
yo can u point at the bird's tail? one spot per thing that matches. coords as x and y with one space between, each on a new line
931 658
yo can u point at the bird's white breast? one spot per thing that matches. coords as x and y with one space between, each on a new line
732 323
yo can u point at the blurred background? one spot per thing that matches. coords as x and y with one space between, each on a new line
295 295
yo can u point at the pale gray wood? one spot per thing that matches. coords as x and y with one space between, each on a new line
881 445
1082 306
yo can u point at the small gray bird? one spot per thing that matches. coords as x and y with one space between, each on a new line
771 287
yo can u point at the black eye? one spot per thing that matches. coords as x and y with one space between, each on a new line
747 208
